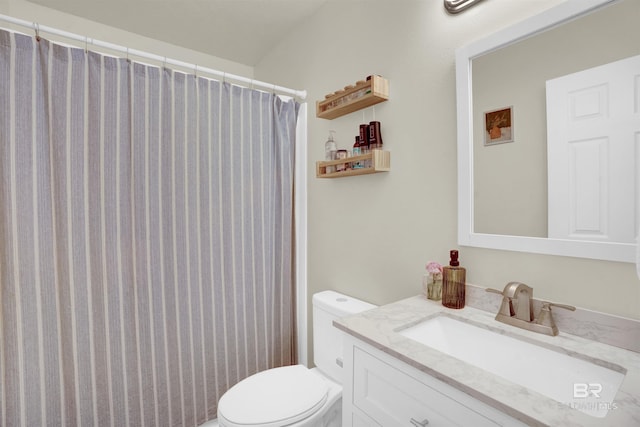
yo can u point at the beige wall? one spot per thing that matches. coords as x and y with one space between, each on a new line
52 18
370 236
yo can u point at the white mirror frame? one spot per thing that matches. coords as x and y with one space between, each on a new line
624 252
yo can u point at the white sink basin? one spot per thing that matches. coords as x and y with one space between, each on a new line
569 380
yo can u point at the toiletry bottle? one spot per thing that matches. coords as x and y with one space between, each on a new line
341 154
453 283
373 144
330 149
357 152
375 135
364 143
364 138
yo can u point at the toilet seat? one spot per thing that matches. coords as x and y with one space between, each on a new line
275 397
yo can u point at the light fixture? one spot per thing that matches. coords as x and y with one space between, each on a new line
457 6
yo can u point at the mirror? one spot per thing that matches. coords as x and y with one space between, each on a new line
502 188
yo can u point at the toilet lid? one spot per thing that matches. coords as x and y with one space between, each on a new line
274 397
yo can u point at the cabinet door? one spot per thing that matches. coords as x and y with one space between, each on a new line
393 398
358 420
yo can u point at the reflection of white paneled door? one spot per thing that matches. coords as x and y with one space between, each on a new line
593 146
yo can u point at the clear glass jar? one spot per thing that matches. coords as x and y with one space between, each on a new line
432 286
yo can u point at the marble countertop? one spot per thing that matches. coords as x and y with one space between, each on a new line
379 327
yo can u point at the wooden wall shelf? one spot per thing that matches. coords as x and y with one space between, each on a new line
380 162
353 98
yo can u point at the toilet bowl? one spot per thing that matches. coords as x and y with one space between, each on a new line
297 396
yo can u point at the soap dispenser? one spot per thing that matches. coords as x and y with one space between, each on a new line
330 149
453 283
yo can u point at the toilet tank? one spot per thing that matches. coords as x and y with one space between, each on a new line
327 339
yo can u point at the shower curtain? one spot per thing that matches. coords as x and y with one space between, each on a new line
145 238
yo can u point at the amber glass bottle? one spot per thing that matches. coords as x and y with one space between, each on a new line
454 281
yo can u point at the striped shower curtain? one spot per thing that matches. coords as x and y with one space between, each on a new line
145 238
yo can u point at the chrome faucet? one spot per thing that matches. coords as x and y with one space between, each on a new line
517 309
522 294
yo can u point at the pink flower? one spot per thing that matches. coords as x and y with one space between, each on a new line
434 267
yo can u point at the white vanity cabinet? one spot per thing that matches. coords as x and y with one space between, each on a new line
380 390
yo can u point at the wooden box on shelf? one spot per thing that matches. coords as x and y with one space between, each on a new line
353 98
380 162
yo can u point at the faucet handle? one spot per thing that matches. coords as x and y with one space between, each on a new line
506 308
547 305
545 317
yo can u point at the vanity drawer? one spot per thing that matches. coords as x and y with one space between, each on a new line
391 397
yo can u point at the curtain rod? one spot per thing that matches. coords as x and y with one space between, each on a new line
302 94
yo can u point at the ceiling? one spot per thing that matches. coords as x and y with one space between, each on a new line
237 30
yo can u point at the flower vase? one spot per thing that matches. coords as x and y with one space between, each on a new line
434 286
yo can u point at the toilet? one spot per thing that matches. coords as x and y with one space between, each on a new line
297 396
